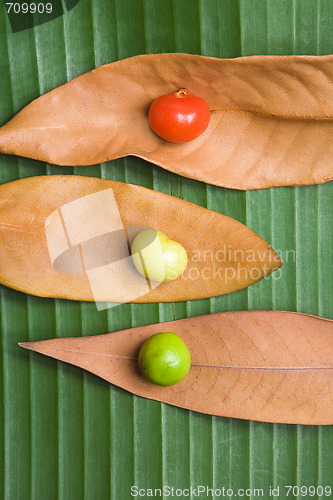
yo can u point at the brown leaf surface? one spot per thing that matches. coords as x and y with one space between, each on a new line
224 255
261 365
271 120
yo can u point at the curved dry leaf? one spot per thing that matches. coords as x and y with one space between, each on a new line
271 120
261 365
69 236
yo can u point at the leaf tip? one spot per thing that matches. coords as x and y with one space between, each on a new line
27 345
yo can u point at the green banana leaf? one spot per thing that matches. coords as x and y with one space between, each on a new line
68 435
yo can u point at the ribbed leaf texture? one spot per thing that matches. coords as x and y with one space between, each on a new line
68 434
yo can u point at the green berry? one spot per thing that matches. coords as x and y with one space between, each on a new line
164 359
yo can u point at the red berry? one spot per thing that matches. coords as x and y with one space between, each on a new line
179 117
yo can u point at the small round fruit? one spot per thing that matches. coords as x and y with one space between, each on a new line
157 257
179 117
164 359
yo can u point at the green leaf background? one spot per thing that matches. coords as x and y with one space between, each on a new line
68 435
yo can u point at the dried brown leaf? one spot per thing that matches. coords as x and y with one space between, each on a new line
224 255
262 365
271 119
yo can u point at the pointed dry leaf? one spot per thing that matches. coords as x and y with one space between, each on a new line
69 236
261 365
271 119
